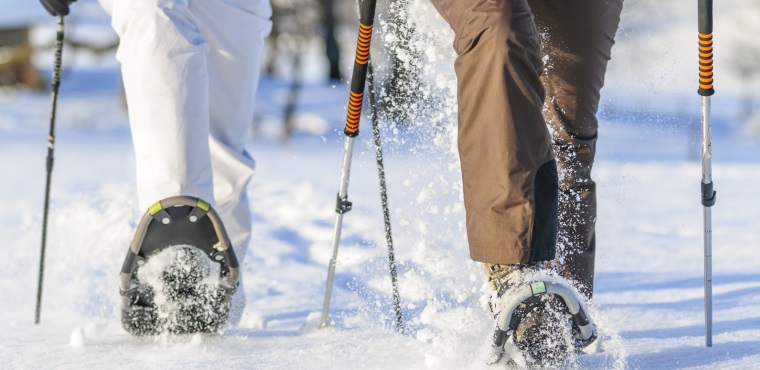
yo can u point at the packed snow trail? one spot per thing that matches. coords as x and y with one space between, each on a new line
648 298
649 269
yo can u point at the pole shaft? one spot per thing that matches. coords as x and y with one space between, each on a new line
708 275
706 90
348 150
353 117
331 270
706 141
707 182
384 200
55 84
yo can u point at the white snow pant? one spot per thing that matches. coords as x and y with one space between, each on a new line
190 71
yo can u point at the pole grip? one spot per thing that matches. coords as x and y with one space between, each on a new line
705 48
359 77
705 16
56 81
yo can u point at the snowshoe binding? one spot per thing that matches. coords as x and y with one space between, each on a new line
180 272
541 324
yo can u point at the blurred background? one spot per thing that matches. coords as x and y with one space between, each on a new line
313 42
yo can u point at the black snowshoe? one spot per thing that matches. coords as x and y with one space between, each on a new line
180 272
541 324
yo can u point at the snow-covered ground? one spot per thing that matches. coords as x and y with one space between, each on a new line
648 296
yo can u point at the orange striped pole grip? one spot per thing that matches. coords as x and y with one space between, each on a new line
361 66
354 113
706 64
362 45
705 29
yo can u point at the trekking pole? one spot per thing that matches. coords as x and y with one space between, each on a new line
55 83
358 81
384 197
708 194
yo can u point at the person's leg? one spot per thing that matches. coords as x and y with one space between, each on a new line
164 68
508 171
235 32
577 37
190 72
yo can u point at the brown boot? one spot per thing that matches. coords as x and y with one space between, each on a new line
500 275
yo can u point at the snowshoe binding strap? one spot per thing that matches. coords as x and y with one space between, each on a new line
511 315
193 225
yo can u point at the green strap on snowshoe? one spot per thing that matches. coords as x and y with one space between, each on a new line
538 287
153 209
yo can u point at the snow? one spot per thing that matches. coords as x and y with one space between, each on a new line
649 283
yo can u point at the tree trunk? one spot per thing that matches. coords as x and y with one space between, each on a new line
332 49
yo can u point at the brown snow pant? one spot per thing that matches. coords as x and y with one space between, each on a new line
508 126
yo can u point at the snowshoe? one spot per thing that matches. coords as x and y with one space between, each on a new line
541 324
180 272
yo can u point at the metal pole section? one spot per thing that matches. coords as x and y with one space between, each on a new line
708 194
707 179
384 199
343 206
56 82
